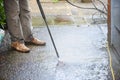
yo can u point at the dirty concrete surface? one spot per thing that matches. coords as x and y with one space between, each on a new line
82 51
81 46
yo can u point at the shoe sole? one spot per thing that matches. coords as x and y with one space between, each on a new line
19 50
28 43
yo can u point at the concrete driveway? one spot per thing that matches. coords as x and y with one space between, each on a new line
82 51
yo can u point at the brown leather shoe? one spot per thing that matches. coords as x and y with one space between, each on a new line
36 41
20 47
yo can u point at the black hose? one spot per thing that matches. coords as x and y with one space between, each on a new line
85 7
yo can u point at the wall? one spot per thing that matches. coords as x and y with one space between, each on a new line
115 24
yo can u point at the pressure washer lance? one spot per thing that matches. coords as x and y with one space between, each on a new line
44 17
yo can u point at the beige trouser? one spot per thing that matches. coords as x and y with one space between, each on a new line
18 20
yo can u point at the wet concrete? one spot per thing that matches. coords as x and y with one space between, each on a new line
82 51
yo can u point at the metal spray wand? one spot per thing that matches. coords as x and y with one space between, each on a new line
44 17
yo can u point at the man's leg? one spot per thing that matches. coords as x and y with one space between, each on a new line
13 21
25 18
14 25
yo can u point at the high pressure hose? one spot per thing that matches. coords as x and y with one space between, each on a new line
95 8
